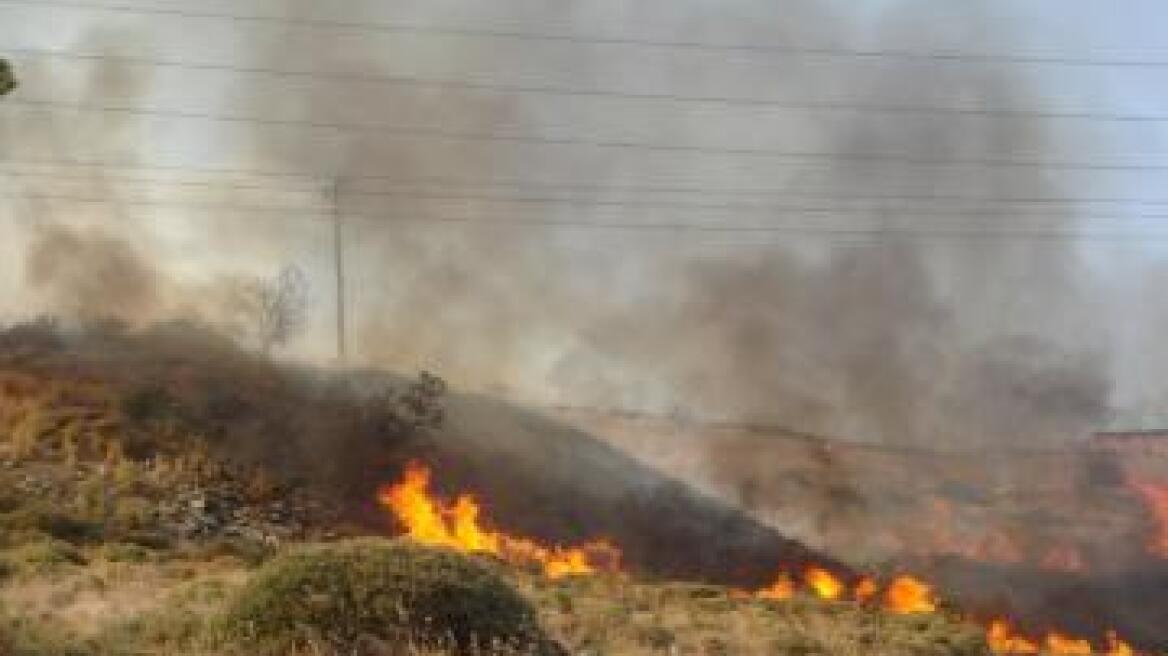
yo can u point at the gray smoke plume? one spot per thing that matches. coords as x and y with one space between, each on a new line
898 339
963 343
91 275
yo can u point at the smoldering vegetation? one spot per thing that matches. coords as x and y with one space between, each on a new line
343 437
888 337
1129 603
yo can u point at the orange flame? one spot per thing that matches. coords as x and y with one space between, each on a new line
1003 640
1156 497
1057 643
1117 647
865 590
907 595
430 521
818 580
783 588
823 583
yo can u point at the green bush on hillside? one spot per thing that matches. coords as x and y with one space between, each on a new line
359 589
40 558
7 78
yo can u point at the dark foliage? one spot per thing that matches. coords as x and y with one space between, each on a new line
348 591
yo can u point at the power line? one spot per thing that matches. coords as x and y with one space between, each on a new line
155 166
520 35
307 211
319 182
417 132
55 177
419 195
324 215
555 90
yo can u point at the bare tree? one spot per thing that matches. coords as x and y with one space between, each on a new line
7 78
278 307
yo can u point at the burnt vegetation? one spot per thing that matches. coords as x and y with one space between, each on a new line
177 389
135 456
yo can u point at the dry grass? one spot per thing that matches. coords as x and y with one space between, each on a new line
168 604
70 585
619 616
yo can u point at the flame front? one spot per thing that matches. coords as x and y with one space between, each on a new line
866 590
1004 640
823 583
907 595
904 595
1117 647
428 520
782 589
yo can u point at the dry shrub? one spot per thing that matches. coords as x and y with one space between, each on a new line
42 520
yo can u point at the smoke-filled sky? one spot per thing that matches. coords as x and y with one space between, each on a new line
847 315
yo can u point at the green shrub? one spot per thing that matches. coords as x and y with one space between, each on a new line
926 635
46 557
125 552
7 79
167 630
364 588
148 539
249 552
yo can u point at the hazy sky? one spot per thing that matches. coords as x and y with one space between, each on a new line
1126 276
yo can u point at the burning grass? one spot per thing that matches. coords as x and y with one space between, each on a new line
107 435
428 519
177 607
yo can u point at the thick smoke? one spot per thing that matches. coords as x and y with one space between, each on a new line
903 342
877 330
898 340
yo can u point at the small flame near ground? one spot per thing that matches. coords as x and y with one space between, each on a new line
1004 640
904 595
433 521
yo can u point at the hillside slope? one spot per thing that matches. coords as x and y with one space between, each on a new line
161 394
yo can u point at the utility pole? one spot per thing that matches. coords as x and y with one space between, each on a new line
339 262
